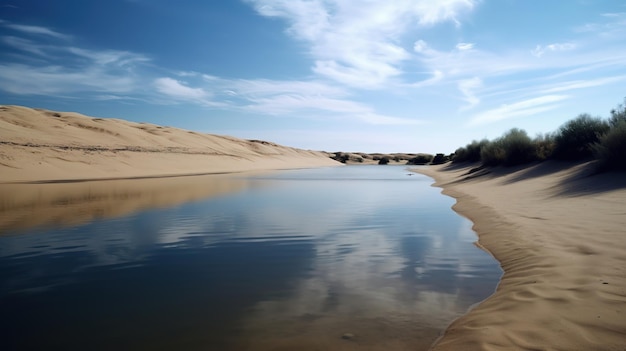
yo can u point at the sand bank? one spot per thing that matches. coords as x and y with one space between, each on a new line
560 236
41 145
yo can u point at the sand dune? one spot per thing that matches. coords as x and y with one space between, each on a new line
41 145
560 235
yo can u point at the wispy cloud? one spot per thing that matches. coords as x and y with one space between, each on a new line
340 109
540 50
582 84
357 43
36 30
176 89
60 69
464 46
613 25
64 68
467 87
518 109
59 80
305 99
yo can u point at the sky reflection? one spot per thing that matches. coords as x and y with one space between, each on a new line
293 259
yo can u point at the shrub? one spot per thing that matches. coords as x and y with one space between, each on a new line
420 159
439 159
611 149
618 115
574 139
383 160
471 152
544 146
513 148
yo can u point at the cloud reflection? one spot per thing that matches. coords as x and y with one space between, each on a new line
316 253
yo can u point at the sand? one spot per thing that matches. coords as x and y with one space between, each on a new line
560 235
39 145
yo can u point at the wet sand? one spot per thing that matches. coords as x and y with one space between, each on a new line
559 233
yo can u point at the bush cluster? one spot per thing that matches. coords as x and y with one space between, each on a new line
420 159
582 138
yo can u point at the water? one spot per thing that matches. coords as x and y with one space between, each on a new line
345 258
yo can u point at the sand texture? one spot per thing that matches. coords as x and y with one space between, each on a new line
559 233
41 145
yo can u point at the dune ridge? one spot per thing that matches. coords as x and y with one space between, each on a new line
42 145
559 234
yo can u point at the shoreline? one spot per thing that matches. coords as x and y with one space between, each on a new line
558 235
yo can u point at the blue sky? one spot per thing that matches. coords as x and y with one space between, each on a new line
349 75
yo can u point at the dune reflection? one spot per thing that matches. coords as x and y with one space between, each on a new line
24 206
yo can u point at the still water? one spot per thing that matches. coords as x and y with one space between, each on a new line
342 258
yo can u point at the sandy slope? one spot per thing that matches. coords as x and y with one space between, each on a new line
45 145
560 236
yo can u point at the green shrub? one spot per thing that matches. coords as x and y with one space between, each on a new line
513 148
574 140
611 149
383 160
544 146
471 152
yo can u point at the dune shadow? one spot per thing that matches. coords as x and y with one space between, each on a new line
538 169
586 181
451 166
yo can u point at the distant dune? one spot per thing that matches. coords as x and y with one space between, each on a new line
41 145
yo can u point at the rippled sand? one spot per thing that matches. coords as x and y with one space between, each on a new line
559 233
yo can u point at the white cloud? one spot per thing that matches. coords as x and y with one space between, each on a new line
464 46
467 87
614 25
266 87
178 90
421 46
304 99
582 84
24 45
518 109
46 68
540 50
109 57
54 79
436 77
333 108
357 43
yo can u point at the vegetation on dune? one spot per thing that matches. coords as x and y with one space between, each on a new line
582 138
420 159
383 160
511 149
471 152
611 150
439 159
575 139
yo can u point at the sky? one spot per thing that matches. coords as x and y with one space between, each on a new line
333 75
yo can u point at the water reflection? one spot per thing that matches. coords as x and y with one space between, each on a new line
292 260
24 206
